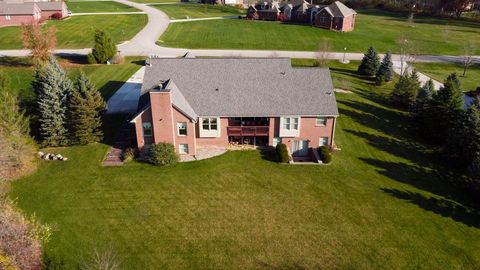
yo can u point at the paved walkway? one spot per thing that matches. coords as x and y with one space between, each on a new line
125 99
397 68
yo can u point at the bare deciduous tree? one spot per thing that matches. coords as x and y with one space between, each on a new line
407 52
469 50
40 42
323 53
104 259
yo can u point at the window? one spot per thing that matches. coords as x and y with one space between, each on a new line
147 128
209 123
290 123
7 17
321 121
183 148
323 141
182 129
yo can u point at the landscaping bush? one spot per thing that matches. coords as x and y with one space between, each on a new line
128 155
282 153
91 59
104 48
325 154
162 154
117 59
56 16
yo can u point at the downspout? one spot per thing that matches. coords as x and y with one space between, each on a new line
333 130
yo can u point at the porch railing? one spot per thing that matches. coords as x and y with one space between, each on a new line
248 131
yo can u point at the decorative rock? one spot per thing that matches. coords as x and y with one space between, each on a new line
49 156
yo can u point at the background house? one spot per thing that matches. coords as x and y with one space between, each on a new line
17 12
336 16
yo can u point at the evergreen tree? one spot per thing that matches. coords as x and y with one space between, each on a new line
53 88
385 71
370 63
423 100
463 142
86 107
406 89
17 147
104 48
446 107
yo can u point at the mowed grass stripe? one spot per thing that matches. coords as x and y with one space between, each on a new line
77 32
99 6
373 28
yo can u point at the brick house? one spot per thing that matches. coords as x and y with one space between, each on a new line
268 11
335 16
19 12
209 103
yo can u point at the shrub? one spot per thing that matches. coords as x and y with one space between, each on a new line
104 48
282 153
117 59
91 59
56 16
128 155
325 154
162 154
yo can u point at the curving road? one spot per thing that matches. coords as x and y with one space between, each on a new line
144 44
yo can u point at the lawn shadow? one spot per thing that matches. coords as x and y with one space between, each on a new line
138 62
109 88
15 61
446 208
269 154
387 121
111 126
352 73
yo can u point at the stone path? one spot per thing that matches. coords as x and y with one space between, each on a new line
203 153
125 99
121 142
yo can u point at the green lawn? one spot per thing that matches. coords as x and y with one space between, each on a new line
184 11
382 204
377 28
77 32
440 71
107 78
157 1
102 6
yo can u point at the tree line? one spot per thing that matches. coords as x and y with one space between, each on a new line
440 115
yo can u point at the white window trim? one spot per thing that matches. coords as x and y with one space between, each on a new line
209 133
178 129
290 131
321 125
8 18
180 148
320 141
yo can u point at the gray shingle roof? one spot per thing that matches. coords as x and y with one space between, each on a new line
51 6
17 8
180 102
244 87
338 9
